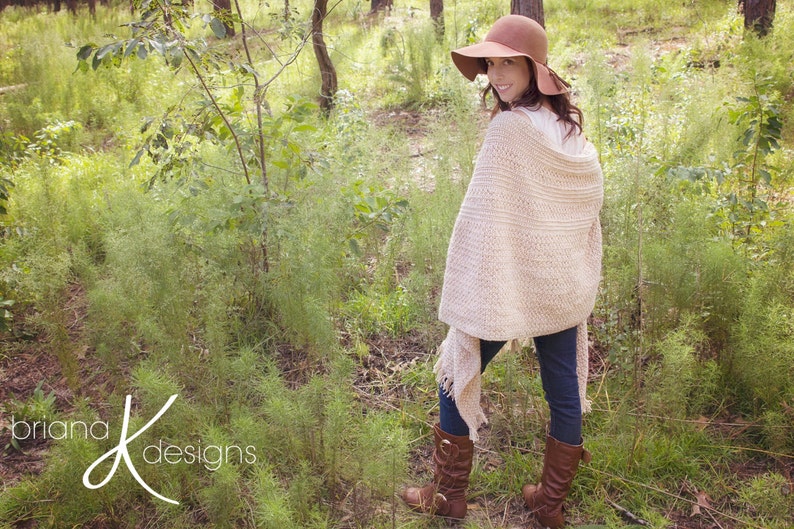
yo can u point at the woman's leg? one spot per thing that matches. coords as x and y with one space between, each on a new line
450 419
452 456
557 359
564 447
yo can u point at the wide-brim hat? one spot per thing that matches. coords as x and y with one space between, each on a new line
512 36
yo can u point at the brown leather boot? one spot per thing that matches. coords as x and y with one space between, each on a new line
560 463
446 496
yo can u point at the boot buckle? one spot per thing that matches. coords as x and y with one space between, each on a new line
448 448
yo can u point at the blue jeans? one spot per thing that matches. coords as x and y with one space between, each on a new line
557 358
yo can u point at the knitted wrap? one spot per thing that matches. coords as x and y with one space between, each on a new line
524 259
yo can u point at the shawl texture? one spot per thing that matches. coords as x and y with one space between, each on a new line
524 259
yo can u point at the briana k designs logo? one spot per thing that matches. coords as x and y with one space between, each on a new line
121 452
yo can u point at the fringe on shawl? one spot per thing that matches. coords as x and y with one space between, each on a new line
458 374
459 361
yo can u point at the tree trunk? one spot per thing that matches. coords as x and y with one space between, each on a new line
223 10
378 5
327 70
758 15
529 8
437 14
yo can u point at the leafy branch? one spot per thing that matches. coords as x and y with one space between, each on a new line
741 182
162 29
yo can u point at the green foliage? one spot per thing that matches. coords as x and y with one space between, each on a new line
389 313
273 509
41 60
37 408
769 499
40 407
221 498
746 208
6 316
375 210
5 189
761 366
683 383
320 426
141 196
46 142
411 61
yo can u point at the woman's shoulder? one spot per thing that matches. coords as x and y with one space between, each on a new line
506 118
510 122
516 128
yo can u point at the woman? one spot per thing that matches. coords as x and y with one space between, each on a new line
524 261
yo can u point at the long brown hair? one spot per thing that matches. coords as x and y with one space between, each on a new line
532 98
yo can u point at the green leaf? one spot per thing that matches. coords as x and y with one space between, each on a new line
248 69
137 159
158 46
85 52
176 58
131 47
218 28
108 50
354 247
194 55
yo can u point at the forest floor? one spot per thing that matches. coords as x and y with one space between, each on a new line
28 361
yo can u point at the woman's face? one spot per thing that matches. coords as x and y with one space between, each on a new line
510 76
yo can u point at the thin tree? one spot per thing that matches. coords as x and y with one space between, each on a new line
378 5
223 10
327 70
529 8
758 15
437 15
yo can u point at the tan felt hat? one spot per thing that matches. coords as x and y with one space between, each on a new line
512 36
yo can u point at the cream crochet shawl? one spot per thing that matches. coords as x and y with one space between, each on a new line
524 259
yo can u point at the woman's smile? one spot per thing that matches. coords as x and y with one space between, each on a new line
510 76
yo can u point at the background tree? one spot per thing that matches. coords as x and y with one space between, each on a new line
437 14
378 5
758 15
529 8
223 10
327 70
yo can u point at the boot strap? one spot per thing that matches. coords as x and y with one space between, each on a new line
448 448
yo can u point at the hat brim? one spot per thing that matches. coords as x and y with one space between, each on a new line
467 60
